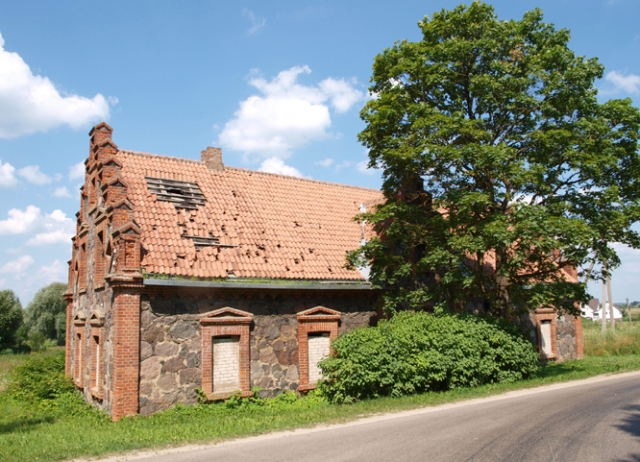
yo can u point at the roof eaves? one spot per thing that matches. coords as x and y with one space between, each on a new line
319 285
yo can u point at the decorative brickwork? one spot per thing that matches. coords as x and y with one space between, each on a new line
224 331
314 320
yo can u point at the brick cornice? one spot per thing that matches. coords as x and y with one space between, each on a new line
125 281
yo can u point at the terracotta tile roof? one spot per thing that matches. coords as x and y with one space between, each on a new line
267 225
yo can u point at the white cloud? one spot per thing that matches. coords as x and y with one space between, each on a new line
7 177
256 24
56 228
76 171
57 271
20 222
627 83
325 163
62 192
341 93
363 167
277 165
33 175
287 115
30 103
17 266
52 228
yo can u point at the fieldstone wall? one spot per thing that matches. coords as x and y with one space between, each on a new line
274 354
169 359
566 338
170 347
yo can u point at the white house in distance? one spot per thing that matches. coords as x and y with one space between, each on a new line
594 312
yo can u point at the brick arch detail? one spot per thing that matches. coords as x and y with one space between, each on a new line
226 322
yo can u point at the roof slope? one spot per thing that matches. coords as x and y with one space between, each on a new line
268 226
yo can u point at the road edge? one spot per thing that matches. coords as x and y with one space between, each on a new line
146 453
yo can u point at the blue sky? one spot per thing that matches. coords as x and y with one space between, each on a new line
278 85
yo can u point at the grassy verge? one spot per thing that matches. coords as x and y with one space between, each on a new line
73 430
625 340
10 361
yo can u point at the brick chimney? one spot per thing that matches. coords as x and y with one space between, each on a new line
212 157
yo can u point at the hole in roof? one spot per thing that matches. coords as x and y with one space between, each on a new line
182 194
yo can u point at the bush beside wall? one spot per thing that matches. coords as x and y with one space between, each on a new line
416 352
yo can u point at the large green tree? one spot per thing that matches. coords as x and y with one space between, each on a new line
10 318
45 314
501 169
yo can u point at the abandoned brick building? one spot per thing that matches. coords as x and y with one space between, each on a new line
190 274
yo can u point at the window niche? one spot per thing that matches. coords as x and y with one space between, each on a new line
79 322
97 354
226 364
317 327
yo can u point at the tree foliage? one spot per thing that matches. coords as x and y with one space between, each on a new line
46 313
10 318
502 171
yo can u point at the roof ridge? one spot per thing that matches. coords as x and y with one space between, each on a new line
332 183
162 156
227 167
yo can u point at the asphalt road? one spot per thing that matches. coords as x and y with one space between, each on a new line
595 420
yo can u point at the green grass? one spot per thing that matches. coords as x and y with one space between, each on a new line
73 430
625 340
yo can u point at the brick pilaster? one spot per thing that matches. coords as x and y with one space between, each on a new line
126 345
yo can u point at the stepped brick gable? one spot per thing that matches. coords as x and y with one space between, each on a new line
191 275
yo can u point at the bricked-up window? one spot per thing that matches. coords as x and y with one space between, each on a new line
225 353
82 274
226 364
317 327
77 360
545 319
319 348
79 321
98 265
97 360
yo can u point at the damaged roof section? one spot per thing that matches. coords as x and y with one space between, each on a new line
182 194
241 223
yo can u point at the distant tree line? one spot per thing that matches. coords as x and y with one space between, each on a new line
42 323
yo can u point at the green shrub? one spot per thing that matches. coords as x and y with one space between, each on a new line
416 352
40 378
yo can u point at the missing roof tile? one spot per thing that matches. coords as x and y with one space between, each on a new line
182 194
199 241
